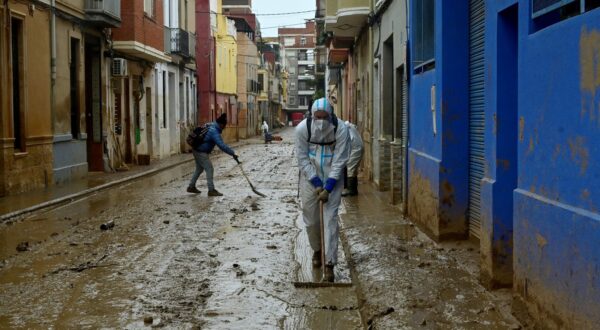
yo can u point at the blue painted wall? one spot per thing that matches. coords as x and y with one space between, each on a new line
541 190
501 140
556 219
437 176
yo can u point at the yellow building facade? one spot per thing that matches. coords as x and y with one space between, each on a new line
226 54
25 113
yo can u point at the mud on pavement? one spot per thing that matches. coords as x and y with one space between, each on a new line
184 261
173 259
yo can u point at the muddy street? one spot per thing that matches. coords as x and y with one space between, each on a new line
179 260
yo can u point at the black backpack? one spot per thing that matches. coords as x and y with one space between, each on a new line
334 120
196 136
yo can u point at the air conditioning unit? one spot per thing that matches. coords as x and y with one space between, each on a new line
119 67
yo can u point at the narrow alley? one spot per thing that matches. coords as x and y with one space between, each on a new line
179 260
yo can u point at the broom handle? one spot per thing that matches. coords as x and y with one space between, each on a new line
322 236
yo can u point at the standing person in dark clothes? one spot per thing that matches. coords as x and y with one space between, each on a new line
202 152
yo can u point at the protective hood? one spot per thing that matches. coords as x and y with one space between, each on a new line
322 130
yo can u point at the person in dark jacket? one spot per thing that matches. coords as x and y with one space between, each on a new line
202 152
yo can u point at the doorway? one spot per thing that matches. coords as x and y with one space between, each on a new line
128 144
507 145
93 104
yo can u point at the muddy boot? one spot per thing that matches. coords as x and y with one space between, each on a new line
214 193
353 186
193 190
352 189
328 274
316 259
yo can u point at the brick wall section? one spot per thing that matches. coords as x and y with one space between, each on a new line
385 166
135 25
396 173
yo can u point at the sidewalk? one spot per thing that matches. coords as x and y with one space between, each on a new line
16 205
406 280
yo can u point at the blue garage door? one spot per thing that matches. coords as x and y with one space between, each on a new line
476 112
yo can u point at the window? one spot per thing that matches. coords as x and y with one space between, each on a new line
260 81
292 85
302 85
289 41
16 43
149 8
292 100
424 35
547 12
302 101
303 41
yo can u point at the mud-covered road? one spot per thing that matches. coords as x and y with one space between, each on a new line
173 259
178 260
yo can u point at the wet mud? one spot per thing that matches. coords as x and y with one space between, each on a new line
173 259
407 281
184 261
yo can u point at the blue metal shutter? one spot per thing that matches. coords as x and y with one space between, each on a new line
476 112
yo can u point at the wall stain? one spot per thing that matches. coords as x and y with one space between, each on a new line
589 58
541 241
521 129
447 193
580 154
504 163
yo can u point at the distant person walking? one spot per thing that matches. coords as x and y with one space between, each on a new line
202 152
265 129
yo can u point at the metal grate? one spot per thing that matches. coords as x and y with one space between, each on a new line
476 112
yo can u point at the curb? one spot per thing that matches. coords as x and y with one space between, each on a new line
83 193
87 192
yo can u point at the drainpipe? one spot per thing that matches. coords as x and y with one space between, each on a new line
53 61
214 63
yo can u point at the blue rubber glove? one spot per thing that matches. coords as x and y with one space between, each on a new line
316 182
330 184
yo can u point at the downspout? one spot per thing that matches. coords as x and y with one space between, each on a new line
53 62
214 77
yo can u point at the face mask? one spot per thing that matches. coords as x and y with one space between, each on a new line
320 124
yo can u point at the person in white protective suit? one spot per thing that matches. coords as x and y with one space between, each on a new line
265 129
322 156
356 153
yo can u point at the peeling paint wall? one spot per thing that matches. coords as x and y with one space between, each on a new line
438 139
556 218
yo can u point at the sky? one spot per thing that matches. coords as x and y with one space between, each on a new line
282 6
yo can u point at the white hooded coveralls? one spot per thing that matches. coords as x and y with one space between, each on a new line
356 150
324 161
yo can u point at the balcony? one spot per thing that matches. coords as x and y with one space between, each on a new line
345 18
180 42
103 13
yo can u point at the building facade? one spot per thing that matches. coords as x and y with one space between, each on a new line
26 121
248 62
226 73
298 60
482 131
497 158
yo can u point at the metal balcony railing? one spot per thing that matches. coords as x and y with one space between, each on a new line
180 42
99 8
